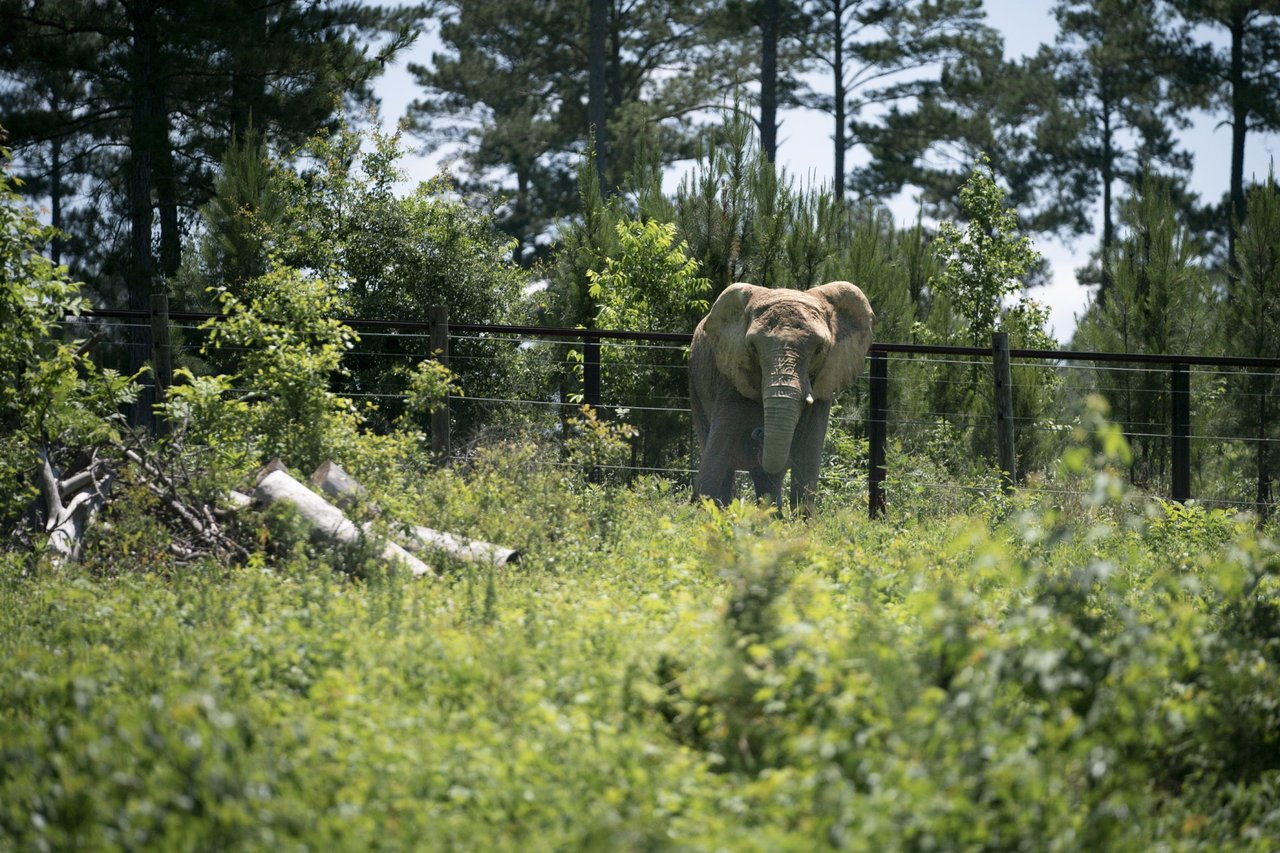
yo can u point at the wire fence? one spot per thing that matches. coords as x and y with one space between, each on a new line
922 420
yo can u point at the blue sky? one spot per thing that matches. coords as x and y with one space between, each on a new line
805 149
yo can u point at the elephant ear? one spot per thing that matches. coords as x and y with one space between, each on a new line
851 323
726 326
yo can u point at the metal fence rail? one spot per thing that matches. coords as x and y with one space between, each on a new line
432 338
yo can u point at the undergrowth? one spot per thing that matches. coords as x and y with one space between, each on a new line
659 674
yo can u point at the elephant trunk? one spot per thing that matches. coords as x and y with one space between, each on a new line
781 414
786 391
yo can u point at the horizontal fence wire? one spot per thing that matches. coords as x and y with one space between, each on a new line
915 372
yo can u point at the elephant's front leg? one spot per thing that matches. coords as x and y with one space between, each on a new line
731 424
806 456
768 486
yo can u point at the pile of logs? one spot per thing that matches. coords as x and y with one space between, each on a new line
71 503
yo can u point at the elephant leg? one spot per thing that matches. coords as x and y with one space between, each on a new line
715 479
806 456
728 429
767 485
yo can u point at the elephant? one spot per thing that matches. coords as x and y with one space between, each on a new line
764 366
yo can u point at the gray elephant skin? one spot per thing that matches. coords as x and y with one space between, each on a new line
764 366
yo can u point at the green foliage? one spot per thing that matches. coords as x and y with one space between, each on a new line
1114 103
653 286
524 65
985 262
1159 303
290 344
1252 312
335 210
745 219
51 395
592 443
285 343
657 674
430 384
241 221
123 108
978 268
649 285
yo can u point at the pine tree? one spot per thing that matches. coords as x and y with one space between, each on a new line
1159 302
1112 111
1243 82
161 87
872 51
1253 315
977 105
513 92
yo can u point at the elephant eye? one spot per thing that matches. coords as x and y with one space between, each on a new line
819 356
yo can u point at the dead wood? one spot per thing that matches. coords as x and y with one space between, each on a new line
344 490
71 504
327 522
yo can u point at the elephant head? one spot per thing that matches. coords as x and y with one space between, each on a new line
786 348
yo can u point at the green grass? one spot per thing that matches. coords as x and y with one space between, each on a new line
657 675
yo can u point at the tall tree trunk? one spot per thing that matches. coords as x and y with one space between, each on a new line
146 115
596 112
247 85
141 168
769 15
840 94
166 196
1108 225
55 199
1239 127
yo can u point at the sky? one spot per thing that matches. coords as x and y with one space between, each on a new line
805 150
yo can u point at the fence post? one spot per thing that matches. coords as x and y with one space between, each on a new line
879 433
161 357
438 344
591 371
1003 370
1180 429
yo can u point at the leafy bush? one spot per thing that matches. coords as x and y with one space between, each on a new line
650 286
285 345
335 210
52 397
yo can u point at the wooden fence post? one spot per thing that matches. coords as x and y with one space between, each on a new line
879 433
1003 370
438 344
1180 431
161 357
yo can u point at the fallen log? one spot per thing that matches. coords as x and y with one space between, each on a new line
422 539
328 523
338 486
71 504
344 490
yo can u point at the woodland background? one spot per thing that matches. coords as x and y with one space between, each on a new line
1070 664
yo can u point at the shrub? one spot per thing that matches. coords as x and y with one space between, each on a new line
286 346
53 400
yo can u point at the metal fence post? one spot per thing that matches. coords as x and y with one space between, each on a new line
1003 370
161 357
438 343
591 371
1180 431
879 433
